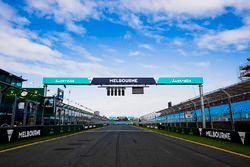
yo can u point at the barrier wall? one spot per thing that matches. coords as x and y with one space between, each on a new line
14 134
226 135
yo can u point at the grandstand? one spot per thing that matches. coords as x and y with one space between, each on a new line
225 108
245 70
28 107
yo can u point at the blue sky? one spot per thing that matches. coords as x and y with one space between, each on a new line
208 38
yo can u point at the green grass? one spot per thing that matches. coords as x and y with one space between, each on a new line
29 141
239 148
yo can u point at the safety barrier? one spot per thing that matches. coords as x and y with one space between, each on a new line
226 135
13 134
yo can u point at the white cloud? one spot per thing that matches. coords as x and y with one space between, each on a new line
193 53
9 14
117 60
237 38
203 64
135 53
15 44
182 52
21 50
149 66
178 42
127 36
65 12
145 46
81 51
191 27
75 28
132 20
107 48
194 8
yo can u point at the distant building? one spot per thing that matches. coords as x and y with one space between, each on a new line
11 79
245 70
97 113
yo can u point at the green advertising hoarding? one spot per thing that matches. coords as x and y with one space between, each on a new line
180 81
66 81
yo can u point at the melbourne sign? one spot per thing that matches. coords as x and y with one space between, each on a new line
29 133
180 81
19 133
232 136
123 81
66 81
218 134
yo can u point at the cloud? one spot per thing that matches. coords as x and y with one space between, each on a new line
107 48
191 27
81 51
22 50
117 60
135 53
149 66
15 44
127 36
193 53
178 42
9 14
182 52
145 46
236 38
65 12
203 64
192 8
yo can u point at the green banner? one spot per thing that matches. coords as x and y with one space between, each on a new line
35 91
180 81
66 81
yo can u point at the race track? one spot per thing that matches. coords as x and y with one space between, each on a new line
119 146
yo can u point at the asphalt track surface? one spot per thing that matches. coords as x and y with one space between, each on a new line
119 146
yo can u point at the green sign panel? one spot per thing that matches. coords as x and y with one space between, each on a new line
66 81
35 91
180 81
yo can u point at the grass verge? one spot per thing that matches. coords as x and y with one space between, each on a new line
234 147
6 146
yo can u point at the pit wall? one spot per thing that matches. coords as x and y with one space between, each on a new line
14 134
226 135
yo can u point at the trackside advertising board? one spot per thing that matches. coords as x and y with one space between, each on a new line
180 81
20 133
123 81
66 81
231 136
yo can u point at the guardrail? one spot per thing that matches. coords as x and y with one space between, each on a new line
14 134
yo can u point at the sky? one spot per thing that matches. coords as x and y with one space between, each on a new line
107 38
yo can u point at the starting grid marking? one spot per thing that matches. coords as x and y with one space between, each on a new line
102 131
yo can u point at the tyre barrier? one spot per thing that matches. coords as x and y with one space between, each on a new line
226 135
14 134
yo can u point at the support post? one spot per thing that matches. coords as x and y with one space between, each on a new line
230 108
64 116
196 119
202 106
44 95
35 113
25 113
54 109
13 112
1 96
209 112
179 119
